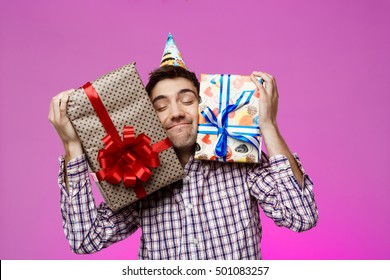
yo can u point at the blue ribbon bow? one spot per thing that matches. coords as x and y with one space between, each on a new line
220 123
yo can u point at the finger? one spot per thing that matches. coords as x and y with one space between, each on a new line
268 78
64 102
264 77
272 81
54 108
259 86
57 102
56 111
269 83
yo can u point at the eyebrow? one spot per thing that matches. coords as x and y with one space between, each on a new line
182 91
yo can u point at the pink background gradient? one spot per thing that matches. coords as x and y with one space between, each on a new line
330 58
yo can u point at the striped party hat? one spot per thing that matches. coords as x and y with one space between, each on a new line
172 55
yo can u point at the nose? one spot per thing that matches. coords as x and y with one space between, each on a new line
177 112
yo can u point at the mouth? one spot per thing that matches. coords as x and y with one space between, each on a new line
178 125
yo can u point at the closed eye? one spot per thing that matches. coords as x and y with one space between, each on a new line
188 98
160 109
188 102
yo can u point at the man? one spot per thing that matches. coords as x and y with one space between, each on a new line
213 212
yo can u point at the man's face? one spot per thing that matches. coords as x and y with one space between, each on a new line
176 103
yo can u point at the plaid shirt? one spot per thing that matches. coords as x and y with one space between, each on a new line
211 214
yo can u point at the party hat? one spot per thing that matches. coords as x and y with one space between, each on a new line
172 55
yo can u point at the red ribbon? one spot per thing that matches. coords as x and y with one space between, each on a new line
128 159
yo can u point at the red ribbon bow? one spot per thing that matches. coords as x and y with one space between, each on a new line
125 159
128 159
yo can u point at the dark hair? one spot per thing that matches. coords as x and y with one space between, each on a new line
170 72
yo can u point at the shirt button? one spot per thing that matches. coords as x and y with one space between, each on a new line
189 206
223 193
195 241
159 209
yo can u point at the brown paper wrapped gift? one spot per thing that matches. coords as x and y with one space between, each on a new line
128 105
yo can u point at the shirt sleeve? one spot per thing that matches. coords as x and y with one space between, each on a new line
89 228
275 187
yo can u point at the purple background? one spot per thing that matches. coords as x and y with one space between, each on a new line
330 58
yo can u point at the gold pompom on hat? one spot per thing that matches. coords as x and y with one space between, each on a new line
172 55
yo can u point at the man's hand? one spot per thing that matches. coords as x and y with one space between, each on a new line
268 98
63 126
267 121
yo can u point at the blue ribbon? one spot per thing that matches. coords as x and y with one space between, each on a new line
220 123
